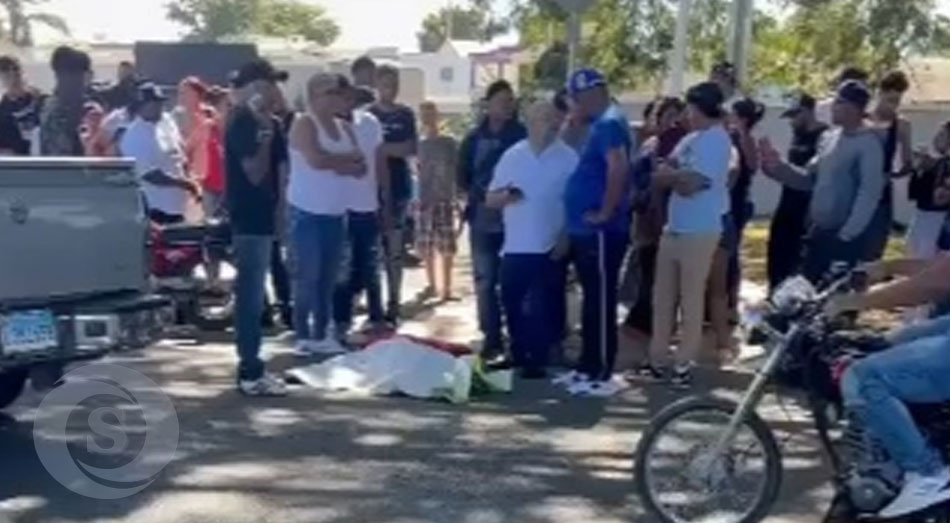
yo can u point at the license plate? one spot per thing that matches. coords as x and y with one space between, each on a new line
29 331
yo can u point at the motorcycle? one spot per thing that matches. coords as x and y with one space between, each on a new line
177 252
708 459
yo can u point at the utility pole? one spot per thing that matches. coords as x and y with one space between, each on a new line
740 38
680 44
575 10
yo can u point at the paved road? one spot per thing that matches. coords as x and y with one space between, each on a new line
535 456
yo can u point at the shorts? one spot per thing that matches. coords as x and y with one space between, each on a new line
436 229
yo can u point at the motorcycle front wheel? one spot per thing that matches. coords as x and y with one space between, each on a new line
680 480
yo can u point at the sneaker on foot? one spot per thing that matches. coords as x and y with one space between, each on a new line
918 493
266 385
598 389
682 378
327 347
647 373
569 378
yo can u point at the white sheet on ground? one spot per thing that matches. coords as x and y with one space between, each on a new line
397 365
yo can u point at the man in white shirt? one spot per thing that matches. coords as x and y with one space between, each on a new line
153 141
528 185
361 255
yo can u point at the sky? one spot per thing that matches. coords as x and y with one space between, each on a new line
364 23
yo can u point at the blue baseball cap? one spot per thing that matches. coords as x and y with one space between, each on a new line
585 80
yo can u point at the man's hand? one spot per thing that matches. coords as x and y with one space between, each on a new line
561 248
838 305
688 184
597 217
191 187
769 155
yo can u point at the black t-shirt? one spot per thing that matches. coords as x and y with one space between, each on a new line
924 184
399 125
19 117
251 207
805 145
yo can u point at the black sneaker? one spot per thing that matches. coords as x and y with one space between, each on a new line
647 372
682 379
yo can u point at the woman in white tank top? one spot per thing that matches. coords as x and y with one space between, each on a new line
323 151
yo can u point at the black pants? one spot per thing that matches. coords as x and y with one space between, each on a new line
787 236
640 316
824 248
597 259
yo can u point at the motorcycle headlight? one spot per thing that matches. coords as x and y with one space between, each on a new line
792 293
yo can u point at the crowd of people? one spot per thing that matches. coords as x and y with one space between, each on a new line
571 188
327 188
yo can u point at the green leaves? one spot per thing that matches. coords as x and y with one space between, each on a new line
464 23
213 20
20 17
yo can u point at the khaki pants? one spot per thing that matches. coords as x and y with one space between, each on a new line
682 268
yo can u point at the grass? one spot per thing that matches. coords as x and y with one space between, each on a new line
755 251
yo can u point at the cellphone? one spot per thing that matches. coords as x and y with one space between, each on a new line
516 192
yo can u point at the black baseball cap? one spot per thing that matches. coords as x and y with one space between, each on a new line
855 93
801 102
257 70
150 92
707 97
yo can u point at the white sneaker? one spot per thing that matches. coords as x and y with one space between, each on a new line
569 379
304 348
327 347
918 493
266 385
597 389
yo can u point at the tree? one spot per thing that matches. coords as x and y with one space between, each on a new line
213 20
21 17
464 23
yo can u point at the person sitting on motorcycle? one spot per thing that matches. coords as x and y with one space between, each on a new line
914 370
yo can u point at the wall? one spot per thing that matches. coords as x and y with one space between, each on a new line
432 66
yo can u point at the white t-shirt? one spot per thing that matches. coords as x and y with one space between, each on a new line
157 146
533 225
320 191
709 153
363 192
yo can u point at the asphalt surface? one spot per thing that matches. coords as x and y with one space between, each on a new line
533 456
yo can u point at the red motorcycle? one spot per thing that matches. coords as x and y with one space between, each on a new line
180 258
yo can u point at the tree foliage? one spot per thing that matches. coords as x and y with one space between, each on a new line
474 22
214 20
19 17
795 42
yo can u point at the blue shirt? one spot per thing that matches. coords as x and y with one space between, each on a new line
587 186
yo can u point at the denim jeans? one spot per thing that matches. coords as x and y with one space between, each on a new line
915 370
527 285
393 249
486 268
360 270
318 250
252 256
597 259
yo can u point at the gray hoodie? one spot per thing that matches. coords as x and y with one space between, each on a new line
846 178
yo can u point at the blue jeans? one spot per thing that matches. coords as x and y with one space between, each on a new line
915 370
527 286
393 249
318 252
486 268
361 270
252 258
597 259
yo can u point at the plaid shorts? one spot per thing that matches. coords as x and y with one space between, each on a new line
436 231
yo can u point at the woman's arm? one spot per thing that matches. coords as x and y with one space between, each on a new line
303 138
